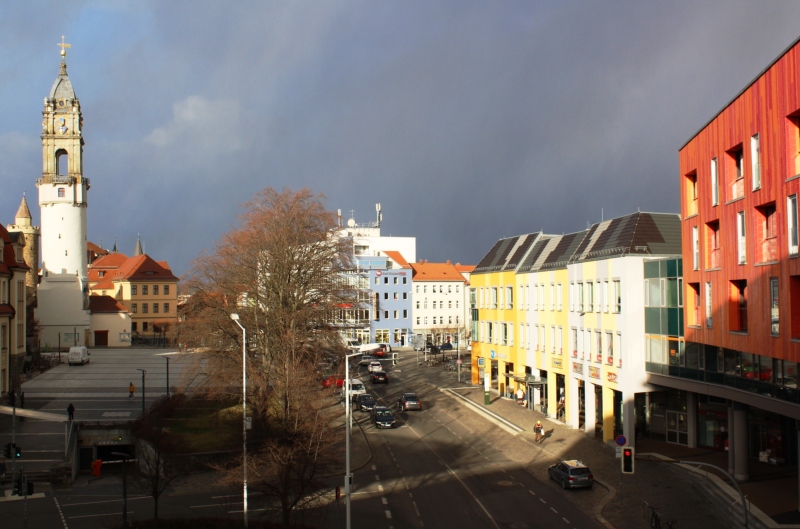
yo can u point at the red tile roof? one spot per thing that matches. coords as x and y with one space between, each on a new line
398 258
425 271
107 304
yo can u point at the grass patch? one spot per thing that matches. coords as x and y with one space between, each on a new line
204 425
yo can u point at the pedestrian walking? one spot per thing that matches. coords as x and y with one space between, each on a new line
520 396
71 411
131 389
539 431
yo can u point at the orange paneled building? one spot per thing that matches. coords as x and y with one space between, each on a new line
739 183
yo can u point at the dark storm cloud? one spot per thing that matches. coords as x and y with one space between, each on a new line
467 121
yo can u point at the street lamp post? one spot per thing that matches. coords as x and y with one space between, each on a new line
235 318
144 372
167 359
458 350
125 458
348 479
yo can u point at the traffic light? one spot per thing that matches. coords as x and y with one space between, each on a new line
16 451
7 450
627 460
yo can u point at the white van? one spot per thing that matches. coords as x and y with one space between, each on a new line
78 355
356 388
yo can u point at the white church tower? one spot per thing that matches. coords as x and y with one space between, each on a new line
63 198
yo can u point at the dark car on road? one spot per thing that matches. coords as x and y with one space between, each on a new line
382 417
409 401
365 402
380 376
446 347
571 474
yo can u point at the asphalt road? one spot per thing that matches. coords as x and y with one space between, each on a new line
441 467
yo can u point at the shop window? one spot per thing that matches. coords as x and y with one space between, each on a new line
714 253
737 306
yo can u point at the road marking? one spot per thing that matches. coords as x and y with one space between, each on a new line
565 520
60 513
555 511
542 500
119 500
96 515
388 514
384 500
204 506
117 414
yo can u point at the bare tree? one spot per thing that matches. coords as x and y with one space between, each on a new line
282 271
158 466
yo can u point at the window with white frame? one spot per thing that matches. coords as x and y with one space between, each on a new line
571 296
709 306
560 335
696 248
535 301
541 296
536 336
580 297
520 297
741 238
605 296
589 296
559 295
619 349
522 336
511 334
553 340
509 297
598 347
528 336
714 183
493 304
791 217
617 300
552 297
543 330
503 334
610 348
574 340
527 297
755 161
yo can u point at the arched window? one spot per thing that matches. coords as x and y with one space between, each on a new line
62 162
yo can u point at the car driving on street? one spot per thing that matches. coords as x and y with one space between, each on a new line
383 417
374 366
571 474
380 376
365 402
409 401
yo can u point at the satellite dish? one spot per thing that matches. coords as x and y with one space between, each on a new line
351 223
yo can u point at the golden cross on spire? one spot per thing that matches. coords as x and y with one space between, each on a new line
64 46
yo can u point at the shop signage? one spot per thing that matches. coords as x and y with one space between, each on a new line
594 372
556 362
612 377
577 367
481 361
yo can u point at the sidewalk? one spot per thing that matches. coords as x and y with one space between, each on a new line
696 498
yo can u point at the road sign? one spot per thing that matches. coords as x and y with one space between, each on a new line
481 361
458 361
621 440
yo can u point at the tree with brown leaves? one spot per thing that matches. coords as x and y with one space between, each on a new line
282 271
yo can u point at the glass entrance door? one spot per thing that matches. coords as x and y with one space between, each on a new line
677 428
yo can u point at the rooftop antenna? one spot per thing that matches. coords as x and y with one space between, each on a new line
602 218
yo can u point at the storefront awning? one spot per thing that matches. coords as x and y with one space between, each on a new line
530 380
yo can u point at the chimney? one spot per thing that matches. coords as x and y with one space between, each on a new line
448 261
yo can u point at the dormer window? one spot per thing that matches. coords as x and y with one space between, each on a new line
101 274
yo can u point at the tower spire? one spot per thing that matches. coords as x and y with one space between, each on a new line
64 47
